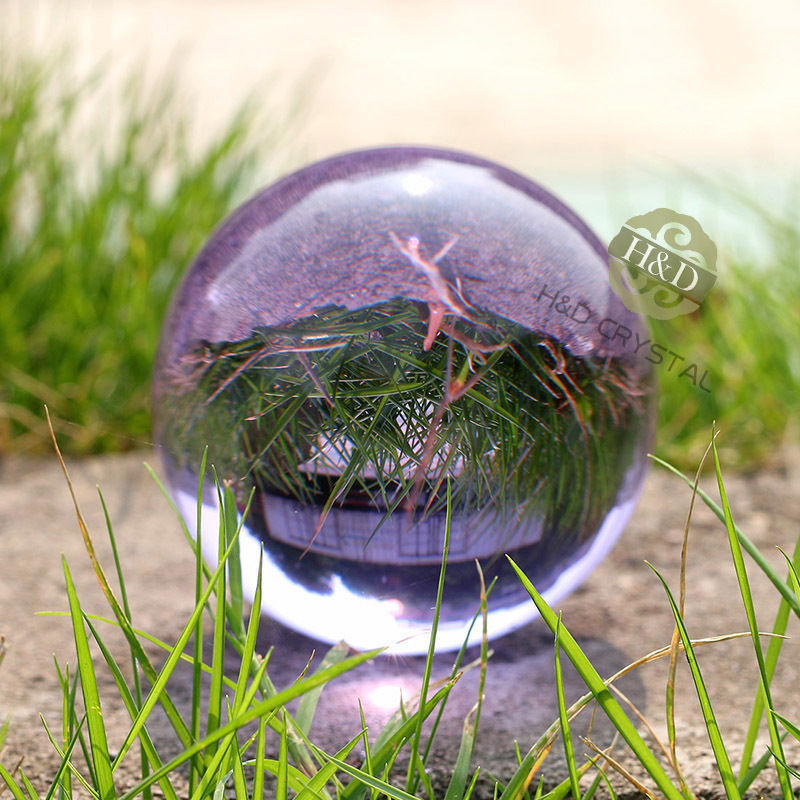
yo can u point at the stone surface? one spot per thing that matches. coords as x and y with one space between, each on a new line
618 615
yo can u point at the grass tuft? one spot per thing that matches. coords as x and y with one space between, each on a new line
97 224
248 733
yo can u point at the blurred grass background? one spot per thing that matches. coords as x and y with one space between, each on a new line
91 248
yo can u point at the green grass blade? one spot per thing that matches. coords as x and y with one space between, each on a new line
770 663
308 702
794 578
757 768
227 538
601 692
160 683
235 605
793 729
786 766
746 543
566 736
750 611
315 787
123 591
373 782
282 788
457 784
148 749
239 781
12 785
411 783
594 786
472 783
72 769
68 725
91 695
299 782
237 767
365 740
63 771
248 653
253 713
29 788
197 634
394 734
296 781
720 754
458 780
258 775
150 673
214 766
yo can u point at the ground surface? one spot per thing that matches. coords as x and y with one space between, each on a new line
618 615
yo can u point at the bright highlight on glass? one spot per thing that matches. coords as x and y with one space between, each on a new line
373 329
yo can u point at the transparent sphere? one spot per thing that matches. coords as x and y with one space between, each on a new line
381 329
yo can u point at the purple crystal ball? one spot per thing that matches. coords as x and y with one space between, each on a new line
380 337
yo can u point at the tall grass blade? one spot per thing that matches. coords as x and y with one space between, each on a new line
149 753
720 754
315 787
367 753
411 782
150 673
227 538
770 663
458 780
160 683
566 736
249 651
255 712
197 633
750 611
68 724
258 775
65 767
282 787
673 657
746 543
601 692
308 702
12 785
372 782
137 687
234 608
91 695
395 733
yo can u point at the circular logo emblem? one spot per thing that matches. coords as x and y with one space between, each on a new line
662 264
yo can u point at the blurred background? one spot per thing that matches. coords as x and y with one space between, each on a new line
129 128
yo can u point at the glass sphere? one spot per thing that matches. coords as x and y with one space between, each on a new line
376 331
